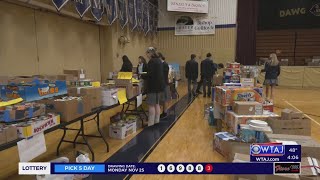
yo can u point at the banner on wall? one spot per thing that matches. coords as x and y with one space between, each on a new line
82 6
132 14
146 17
288 14
59 4
189 25
111 10
151 18
194 6
97 9
123 15
139 7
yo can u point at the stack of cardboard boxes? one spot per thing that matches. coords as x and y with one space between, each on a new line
231 73
8 133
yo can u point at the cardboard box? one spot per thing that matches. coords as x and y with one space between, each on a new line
109 97
238 157
234 120
70 109
288 114
248 108
75 73
309 147
22 111
294 127
233 65
121 132
221 142
249 135
247 82
309 169
94 94
220 111
217 80
11 133
3 138
36 126
227 95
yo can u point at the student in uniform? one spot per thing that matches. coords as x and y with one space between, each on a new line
155 85
126 65
208 69
142 66
166 97
192 74
272 70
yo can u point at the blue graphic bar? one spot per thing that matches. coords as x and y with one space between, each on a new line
163 168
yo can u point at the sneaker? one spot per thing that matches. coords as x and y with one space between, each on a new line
163 115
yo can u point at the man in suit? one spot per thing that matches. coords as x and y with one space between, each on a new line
192 74
208 69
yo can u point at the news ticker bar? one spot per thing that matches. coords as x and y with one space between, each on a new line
153 168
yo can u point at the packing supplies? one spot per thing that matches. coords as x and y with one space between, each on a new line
21 111
248 108
69 108
268 106
235 78
293 127
233 120
253 134
33 91
219 142
310 168
227 95
309 146
122 129
109 96
8 133
94 93
37 125
288 114
247 82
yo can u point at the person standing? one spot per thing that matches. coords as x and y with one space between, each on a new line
142 67
272 70
126 64
155 85
192 74
166 97
208 69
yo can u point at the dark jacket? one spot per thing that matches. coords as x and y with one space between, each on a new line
272 72
166 72
208 68
155 77
126 67
144 69
192 69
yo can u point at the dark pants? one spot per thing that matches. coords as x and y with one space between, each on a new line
193 83
207 83
200 83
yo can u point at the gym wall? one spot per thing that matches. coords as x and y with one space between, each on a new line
222 44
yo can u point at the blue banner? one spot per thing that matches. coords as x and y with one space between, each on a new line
162 168
139 7
97 9
59 4
146 16
111 10
123 15
82 6
132 14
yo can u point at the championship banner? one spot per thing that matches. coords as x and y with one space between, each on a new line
146 17
111 10
59 4
139 7
288 14
193 6
82 6
188 25
123 15
132 14
97 9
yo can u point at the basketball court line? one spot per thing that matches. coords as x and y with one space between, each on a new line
302 112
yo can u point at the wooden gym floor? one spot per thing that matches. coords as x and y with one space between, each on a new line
190 139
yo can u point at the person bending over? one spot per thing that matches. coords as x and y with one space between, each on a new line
192 74
126 65
155 85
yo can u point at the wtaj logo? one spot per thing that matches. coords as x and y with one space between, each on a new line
267 150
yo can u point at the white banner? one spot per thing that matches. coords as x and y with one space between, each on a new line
195 6
188 25
31 148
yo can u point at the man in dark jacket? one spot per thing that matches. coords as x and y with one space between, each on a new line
208 69
192 74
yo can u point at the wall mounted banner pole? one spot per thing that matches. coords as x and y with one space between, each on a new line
132 14
82 6
111 10
97 9
123 13
139 6
59 4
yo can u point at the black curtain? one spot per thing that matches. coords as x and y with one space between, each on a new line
246 31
